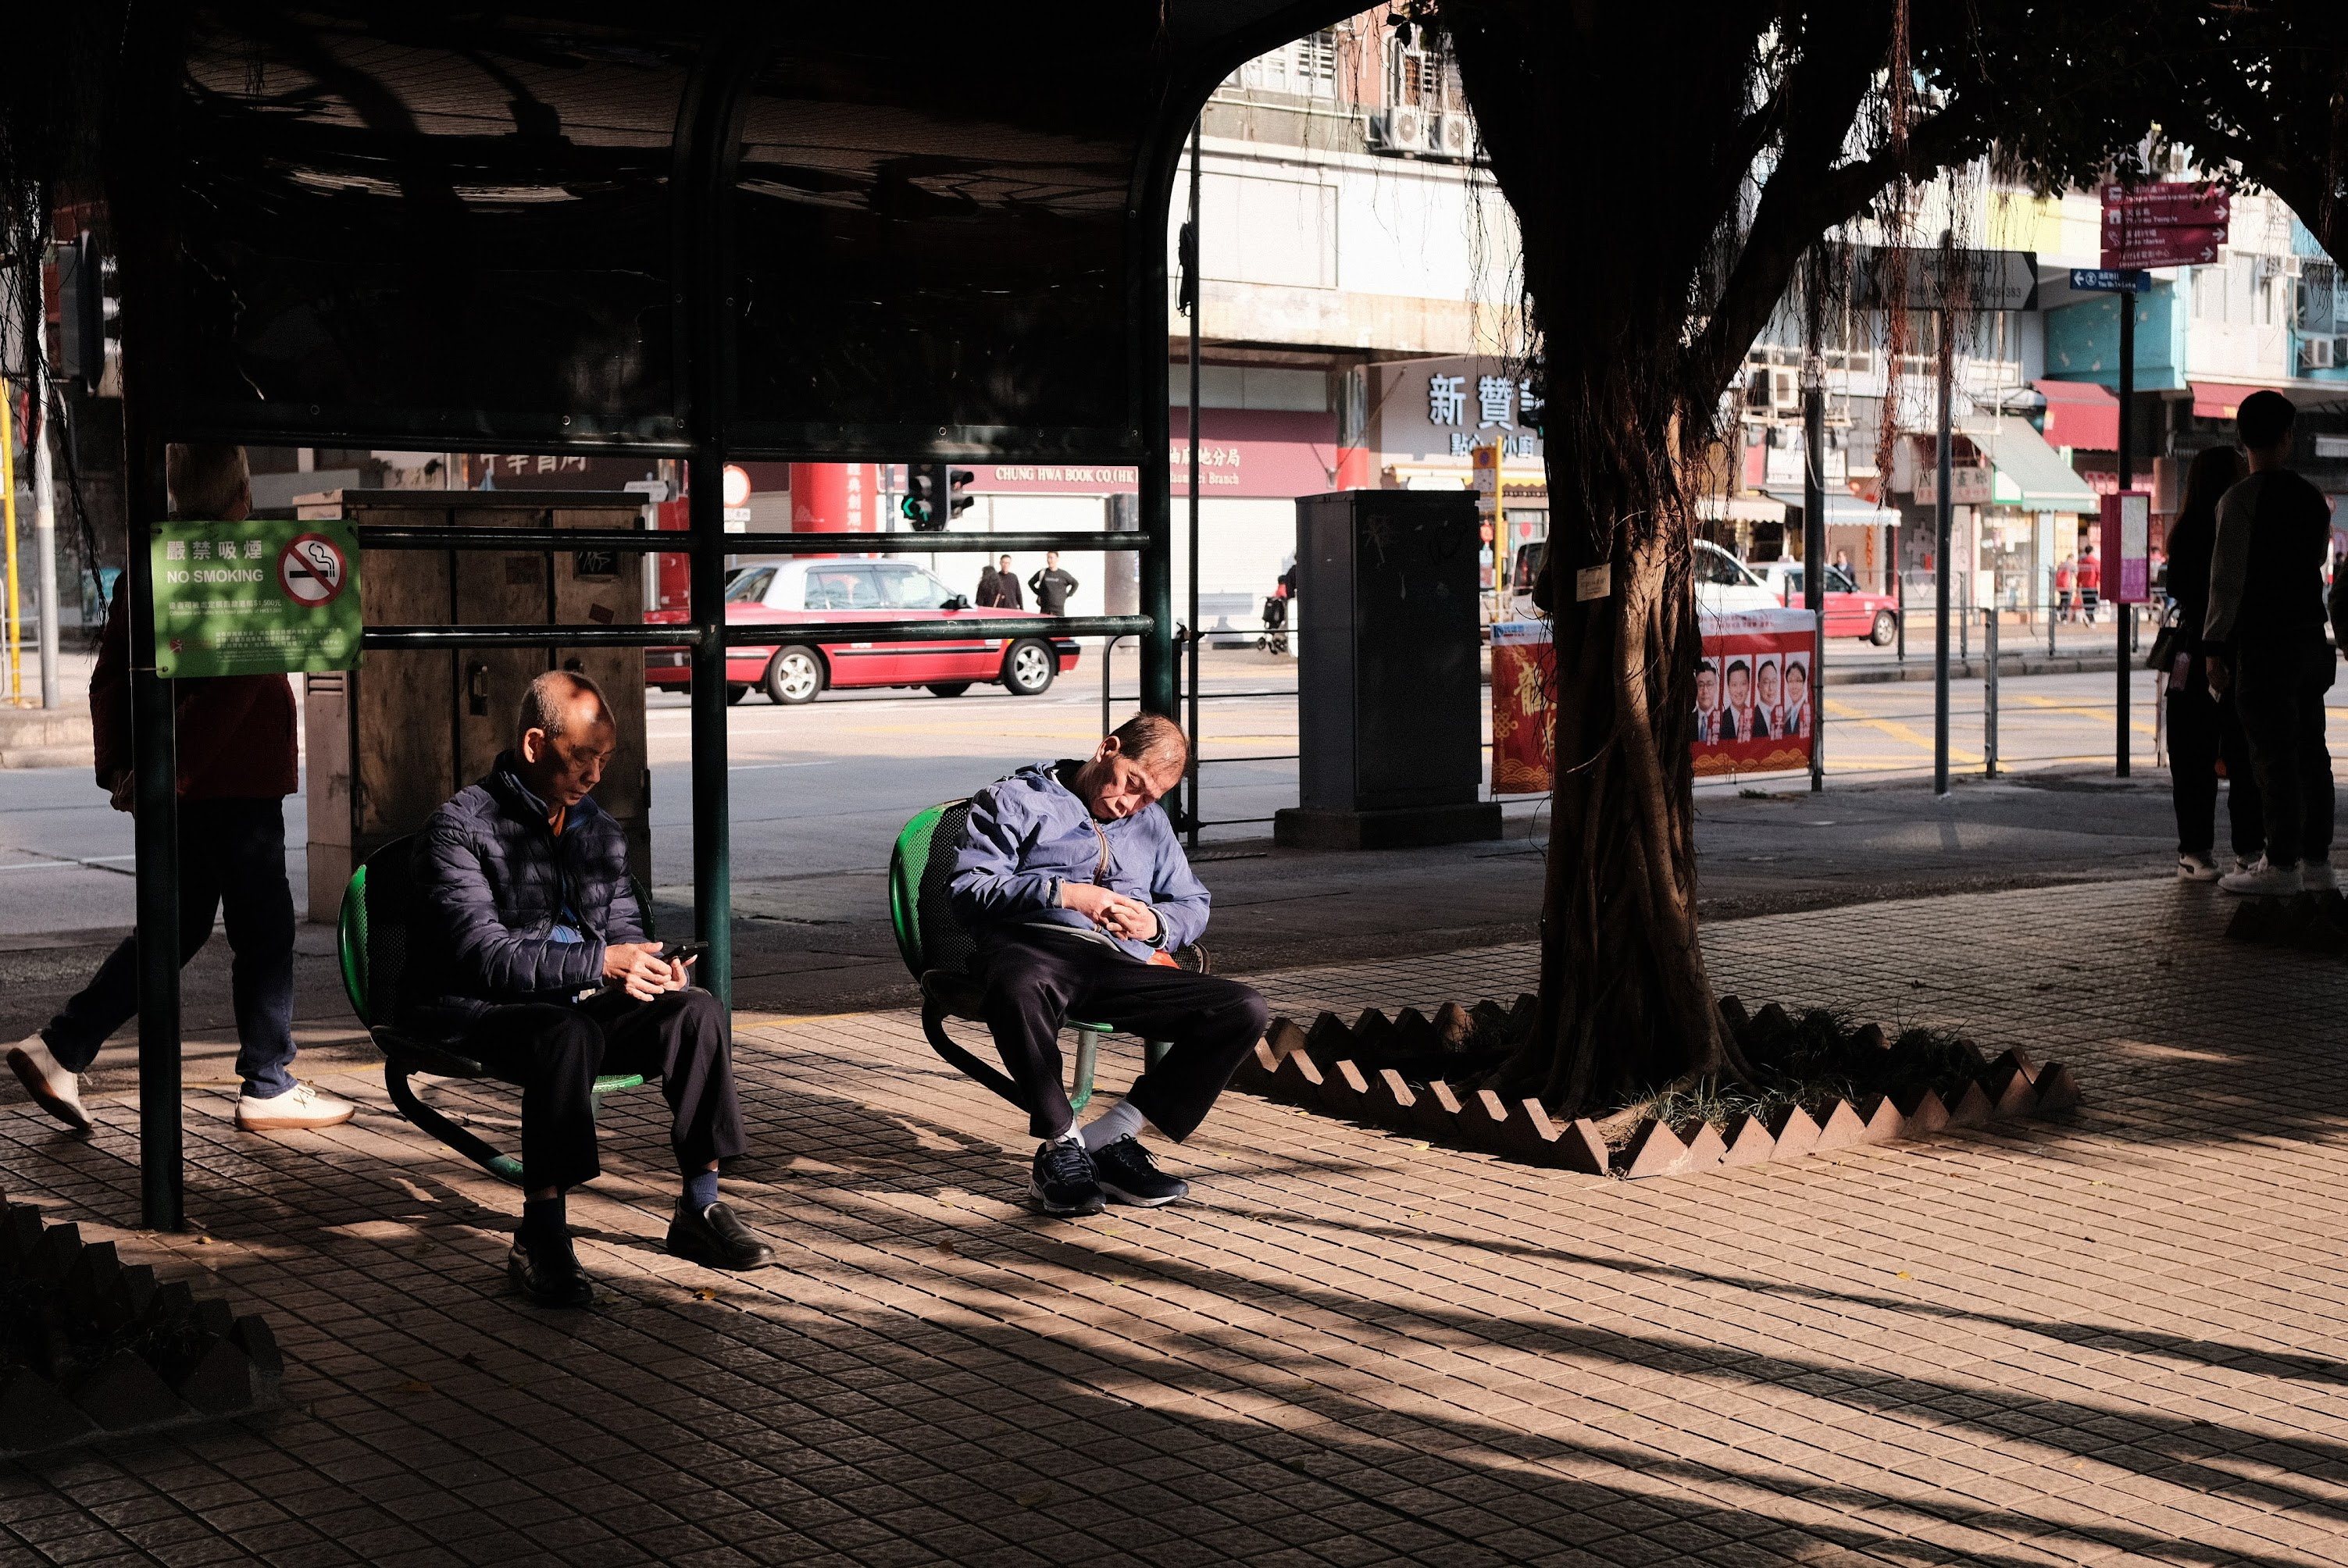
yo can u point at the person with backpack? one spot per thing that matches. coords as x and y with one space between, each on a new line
2265 644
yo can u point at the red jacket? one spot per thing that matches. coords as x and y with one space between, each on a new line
235 733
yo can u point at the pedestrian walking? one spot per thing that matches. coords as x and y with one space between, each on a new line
2091 584
2203 730
2066 603
237 764
988 579
2265 644
1052 586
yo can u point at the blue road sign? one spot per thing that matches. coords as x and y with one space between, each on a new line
2110 279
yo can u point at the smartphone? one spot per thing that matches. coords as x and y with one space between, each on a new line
684 952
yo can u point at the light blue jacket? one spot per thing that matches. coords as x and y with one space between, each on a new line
1029 832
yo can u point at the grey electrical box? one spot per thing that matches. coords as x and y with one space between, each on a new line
391 740
1389 687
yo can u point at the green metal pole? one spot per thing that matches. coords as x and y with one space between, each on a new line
155 835
713 829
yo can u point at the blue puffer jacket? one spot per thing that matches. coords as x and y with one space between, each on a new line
1028 834
491 882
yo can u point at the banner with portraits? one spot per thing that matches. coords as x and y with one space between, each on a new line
1755 704
1756 707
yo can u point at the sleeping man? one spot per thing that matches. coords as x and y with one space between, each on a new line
1079 895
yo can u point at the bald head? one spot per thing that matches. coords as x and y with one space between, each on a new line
564 737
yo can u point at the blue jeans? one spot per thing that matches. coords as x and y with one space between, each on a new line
232 860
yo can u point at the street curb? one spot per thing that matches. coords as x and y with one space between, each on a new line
1921 669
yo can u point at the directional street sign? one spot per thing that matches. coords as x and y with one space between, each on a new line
2176 224
2110 281
1977 280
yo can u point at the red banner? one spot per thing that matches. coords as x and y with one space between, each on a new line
1524 708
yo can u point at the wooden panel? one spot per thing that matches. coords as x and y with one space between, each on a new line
608 591
497 588
402 752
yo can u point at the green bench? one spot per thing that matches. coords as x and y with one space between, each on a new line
371 941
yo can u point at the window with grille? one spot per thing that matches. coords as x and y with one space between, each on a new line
1422 74
1307 67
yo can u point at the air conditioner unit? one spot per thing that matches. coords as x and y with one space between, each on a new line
2317 353
1786 392
1399 129
1454 136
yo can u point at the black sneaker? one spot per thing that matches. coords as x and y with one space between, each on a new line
715 1236
1128 1175
1063 1183
545 1269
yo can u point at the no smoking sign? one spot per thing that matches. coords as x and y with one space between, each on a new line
312 570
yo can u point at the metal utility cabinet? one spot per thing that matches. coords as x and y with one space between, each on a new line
389 741
1389 691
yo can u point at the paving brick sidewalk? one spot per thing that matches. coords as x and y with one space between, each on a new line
2118 1340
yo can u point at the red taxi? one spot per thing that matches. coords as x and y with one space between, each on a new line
800 592
1850 612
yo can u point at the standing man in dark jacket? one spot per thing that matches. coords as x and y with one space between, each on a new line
1006 589
527 953
2264 639
1052 586
2203 731
237 765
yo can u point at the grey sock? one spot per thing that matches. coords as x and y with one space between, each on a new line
1122 1120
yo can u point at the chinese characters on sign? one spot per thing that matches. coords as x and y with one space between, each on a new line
255 598
517 466
1500 401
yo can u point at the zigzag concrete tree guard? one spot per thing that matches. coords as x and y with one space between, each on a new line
1317 1069
91 1346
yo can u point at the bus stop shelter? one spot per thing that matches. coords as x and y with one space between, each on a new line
924 233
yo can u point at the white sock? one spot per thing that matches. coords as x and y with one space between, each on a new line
1122 1120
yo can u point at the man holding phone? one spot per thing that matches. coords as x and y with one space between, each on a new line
527 952
1078 894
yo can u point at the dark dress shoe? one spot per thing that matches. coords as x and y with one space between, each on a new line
545 1269
715 1236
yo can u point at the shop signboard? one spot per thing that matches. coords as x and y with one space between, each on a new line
1242 453
255 598
1969 485
2126 547
1754 710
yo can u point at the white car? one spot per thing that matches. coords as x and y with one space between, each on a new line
1722 581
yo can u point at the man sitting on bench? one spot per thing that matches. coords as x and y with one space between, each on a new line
527 953
1078 894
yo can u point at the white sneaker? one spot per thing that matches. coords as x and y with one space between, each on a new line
2262 881
2195 868
298 1109
53 1089
2317 877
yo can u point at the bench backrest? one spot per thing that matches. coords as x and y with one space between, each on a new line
921 913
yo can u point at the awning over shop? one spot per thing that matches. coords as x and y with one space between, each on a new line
2081 413
1740 509
2026 472
1843 509
2219 399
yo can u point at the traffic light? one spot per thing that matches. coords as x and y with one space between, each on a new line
87 312
916 505
924 488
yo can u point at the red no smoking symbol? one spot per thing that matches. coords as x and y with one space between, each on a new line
312 570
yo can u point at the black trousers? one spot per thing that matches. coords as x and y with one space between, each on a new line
2202 730
554 1053
231 862
1034 986
2278 689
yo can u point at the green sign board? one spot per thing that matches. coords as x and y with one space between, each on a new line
258 598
